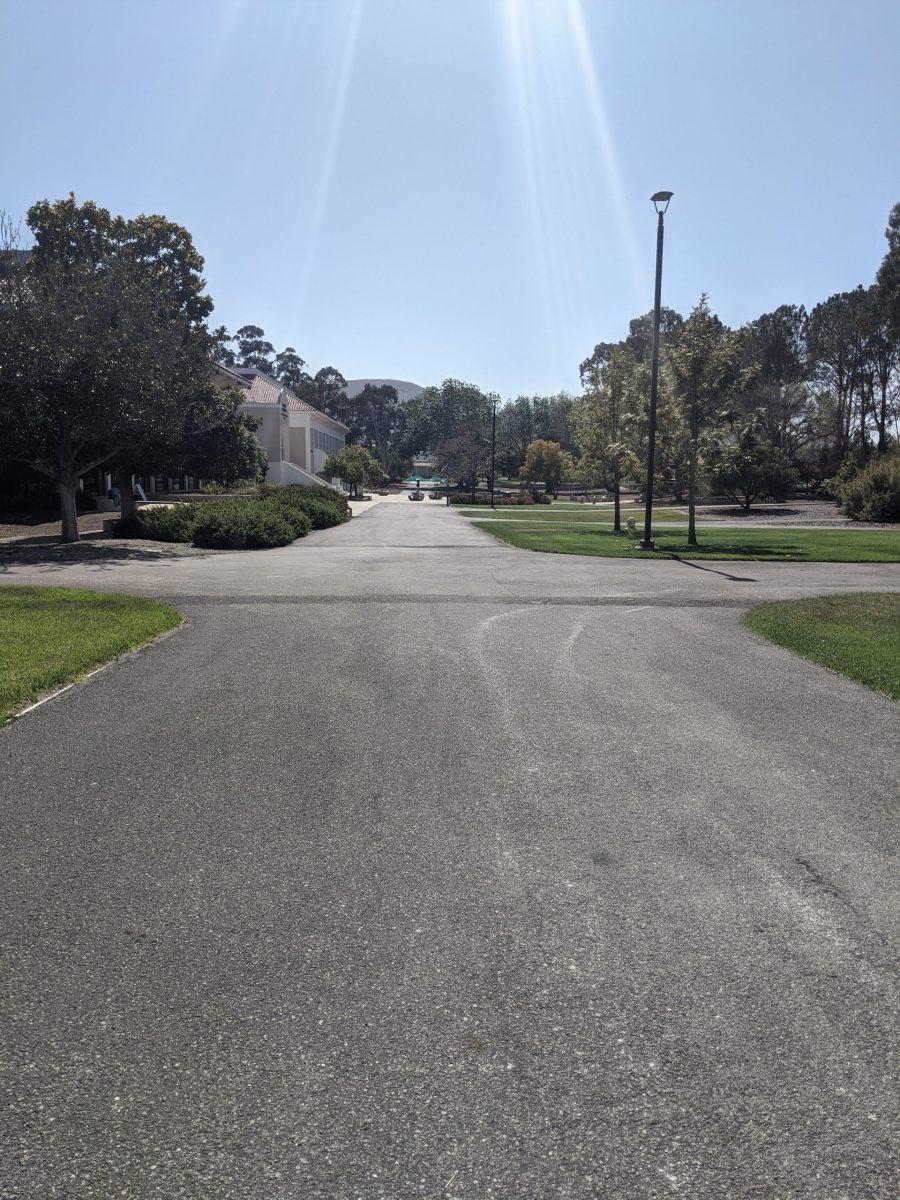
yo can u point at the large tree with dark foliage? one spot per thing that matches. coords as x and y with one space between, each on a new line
102 340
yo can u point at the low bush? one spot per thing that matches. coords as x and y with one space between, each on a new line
271 516
873 493
324 506
241 524
298 519
173 523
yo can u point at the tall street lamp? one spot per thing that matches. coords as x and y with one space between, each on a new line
660 202
493 446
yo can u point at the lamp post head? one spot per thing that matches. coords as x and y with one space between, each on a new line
661 198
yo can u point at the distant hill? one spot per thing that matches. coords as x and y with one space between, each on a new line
405 389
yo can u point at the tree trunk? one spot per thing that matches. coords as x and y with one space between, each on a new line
617 518
692 483
66 488
881 420
125 484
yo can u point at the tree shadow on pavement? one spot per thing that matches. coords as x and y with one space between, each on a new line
51 553
685 562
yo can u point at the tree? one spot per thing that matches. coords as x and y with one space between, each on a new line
751 468
602 418
837 350
353 465
515 433
288 370
331 397
455 421
775 353
102 339
219 440
222 347
253 350
881 362
375 422
547 463
639 341
889 272
703 365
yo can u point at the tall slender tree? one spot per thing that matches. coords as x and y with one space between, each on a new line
703 364
603 422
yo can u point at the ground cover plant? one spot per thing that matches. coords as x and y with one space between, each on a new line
52 636
776 545
857 634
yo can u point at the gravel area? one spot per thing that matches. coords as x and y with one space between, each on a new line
95 549
20 525
822 514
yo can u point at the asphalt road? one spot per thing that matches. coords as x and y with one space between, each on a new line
418 866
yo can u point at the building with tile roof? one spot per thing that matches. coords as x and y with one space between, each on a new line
296 437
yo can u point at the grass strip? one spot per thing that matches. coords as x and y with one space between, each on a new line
857 634
52 636
573 515
767 545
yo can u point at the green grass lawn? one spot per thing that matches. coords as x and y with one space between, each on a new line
573 513
857 634
775 545
52 636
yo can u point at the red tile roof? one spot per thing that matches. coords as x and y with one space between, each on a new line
265 390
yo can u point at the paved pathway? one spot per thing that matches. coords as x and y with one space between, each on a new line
419 866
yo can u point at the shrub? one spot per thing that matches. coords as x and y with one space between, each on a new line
324 506
241 524
212 487
172 523
873 494
299 520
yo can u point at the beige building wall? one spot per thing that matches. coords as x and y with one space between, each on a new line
298 446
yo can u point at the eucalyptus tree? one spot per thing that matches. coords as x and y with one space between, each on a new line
639 341
837 348
889 272
778 390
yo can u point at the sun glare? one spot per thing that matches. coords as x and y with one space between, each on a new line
553 81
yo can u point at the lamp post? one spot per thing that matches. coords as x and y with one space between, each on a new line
493 446
658 199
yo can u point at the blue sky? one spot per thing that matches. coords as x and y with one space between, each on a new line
424 188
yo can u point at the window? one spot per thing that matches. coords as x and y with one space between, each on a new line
326 442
